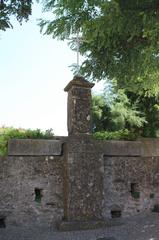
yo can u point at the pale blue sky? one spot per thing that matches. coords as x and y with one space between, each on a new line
34 69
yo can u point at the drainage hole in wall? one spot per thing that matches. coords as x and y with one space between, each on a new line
38 194
135 190
2 222
152 195
115 213
155 208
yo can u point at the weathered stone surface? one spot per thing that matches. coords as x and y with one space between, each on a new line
34 147
85 182
88 183
77 225
120 148
79 106
83 143
123 173
150 147
19 177
78 81
106 238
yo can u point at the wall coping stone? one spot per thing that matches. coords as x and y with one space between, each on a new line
120 148
150 147
81 143
34 147
145 147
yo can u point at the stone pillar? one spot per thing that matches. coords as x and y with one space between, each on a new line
79 106
84 166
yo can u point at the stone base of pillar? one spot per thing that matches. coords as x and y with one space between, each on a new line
86 225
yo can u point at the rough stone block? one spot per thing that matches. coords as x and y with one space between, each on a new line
150 147
120 148
34 147
84 225
78 225
79 106
106 238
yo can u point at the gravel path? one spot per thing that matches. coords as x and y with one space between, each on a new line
143 227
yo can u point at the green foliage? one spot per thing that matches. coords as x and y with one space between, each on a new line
118 115
10 133
100 113
124 114
123 134
19 8
120 44
135 195
149 106
120 39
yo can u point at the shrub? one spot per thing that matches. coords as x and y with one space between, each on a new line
116 135
11 133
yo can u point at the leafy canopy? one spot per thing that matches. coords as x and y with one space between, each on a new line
19 8
119 115
149 106
127 112
121 38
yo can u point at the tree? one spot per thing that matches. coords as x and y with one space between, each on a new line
101 115
149 106
138 114
119 115
19 8
120 39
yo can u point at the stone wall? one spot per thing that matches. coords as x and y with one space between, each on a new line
31 189
131 177
76 181
130 185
